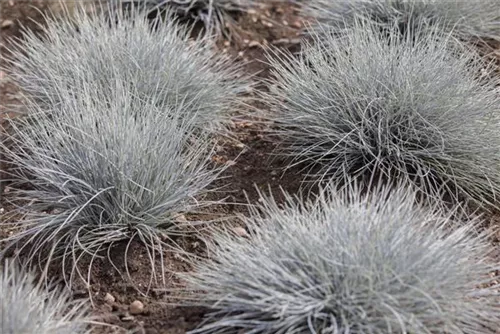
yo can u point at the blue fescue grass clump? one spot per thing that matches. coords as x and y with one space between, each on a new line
467 20
98 170
217 16
420 109
160 63
28 307
348 263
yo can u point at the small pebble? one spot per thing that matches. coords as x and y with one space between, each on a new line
136 307
108 298
240 231
180 219
127 318
7 24
253 44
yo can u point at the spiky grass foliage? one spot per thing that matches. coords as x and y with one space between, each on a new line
468 20
217 16
367 107
347 263
161 63
99 170
28 307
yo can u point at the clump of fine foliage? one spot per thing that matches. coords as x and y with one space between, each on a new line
29 308
468 20
361 105
101 169
160 63
347 263
217 16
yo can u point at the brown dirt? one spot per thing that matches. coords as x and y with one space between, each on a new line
251 167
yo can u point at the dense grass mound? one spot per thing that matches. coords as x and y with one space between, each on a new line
97 170
468 20
161 64
28 308
359 105
347 263
217 16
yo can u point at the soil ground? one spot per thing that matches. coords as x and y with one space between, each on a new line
248 153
